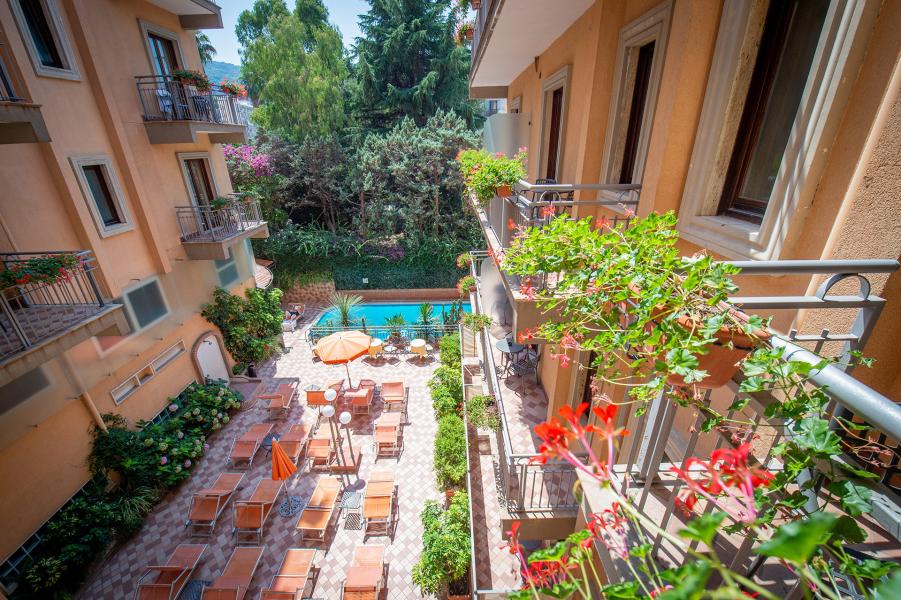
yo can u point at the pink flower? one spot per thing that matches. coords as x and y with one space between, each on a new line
569 342
527 290
547 212
164 460
602 223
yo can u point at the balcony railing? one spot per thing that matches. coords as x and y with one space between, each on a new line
11 88
165 99
205 223
402 334
31 313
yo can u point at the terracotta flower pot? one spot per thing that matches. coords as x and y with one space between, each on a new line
721 361
469 33
504 191
476 4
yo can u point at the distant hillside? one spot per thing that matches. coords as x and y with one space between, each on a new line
217 71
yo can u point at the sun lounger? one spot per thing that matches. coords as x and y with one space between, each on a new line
336 384
366 574
387 440
208 504
360 400
394 396
251 515
379 499
294 442
280 401
245 448
236 576
165 582
316 517
290 581
320 450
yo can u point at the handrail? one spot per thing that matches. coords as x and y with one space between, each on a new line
11 85
204 223
164 98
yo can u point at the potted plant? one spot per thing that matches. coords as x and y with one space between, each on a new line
233 88
486 175
446 548
49 269
464 33
464 260
395 335
219 202
482 414
197 79
476 322
466 285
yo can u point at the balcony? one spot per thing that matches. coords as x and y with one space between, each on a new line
507 486
21 121
43 319
208 232
175 112
193 14
534 205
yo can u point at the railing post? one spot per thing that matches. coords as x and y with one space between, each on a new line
94 287
17 327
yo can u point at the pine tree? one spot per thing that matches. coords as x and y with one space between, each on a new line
407 64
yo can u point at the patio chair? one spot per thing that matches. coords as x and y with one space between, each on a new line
379 500
316 517
320 450
245 448
377 351
295 441
366 574
387 437
394 396
337 385
236 576
208 504
291 579
360 400
165 582
280 401
251 515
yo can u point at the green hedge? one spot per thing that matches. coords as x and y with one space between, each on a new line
394 275
445 545
450 452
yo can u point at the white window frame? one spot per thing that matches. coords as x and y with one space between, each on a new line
139 378
148 27
60 37
515 105
230 261
653 26
127 302
558 80
78 163
183 157
839 51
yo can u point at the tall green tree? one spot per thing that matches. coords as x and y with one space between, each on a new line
204 47
293 64
407 64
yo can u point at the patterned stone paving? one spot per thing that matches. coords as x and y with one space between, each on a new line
163 530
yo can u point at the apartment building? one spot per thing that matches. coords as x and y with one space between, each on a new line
771 128
112 165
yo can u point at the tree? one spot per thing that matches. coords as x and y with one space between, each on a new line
293 64
408 65
204 47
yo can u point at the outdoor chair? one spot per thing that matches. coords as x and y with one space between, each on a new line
165 582
295 441
379 500
394 396
360 400
236 576
245 448
387 438
208 504
293 575
251 515
280 401
366 575
320 450
316 517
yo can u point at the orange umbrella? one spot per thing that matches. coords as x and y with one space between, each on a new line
282 467
343 347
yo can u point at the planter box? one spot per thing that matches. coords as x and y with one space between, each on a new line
483 440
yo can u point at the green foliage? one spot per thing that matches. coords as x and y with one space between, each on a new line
40 269
445 545
703 528
484 172
250 327
426 313
796 541
482 412
449 351
465 285
476 322
345 305
204 47
450 452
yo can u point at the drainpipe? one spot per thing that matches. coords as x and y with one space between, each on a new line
83 394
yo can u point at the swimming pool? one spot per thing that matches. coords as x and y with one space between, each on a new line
375 313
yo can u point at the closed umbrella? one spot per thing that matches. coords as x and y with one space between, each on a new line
282 468
342 347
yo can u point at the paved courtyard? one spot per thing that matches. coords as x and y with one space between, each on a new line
164 528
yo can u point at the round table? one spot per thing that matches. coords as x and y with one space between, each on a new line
509 350
375 343
417 343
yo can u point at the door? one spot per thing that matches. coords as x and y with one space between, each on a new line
209 357
553 143
201 191
162 51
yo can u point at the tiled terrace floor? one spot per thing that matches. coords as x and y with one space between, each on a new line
163 530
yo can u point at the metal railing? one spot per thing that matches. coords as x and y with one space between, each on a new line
206 223
485 12
11 87
33 311
165 99
399 336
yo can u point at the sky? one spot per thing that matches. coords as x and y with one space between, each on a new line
343 13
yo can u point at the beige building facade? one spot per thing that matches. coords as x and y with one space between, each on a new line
103 150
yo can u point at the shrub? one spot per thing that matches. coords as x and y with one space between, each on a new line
445 545
444 402
250 327
448 378
450 452
482 412
476 322
449 350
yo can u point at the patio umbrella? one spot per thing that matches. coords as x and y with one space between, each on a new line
282 467
342 347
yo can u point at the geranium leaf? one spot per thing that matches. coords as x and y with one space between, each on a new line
889 589
813 434
855 498
796 541
703 528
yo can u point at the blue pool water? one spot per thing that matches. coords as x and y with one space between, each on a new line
376 313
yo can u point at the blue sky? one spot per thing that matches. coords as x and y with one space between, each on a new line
343 13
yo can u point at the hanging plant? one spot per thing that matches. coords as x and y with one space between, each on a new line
464 33
42 269
196 79
233 88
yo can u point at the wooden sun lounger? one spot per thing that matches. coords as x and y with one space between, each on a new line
366 574
317 516
236 576
320 452
361 400
251 515
394 396
387 440
378 502
290 581
245 448
208 504
165 582
336 384
294 442
280 401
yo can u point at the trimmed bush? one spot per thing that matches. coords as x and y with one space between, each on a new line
450 452
445 545
449 350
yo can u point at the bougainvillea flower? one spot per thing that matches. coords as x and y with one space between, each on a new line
547 211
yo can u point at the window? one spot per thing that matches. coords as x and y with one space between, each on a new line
102 192
140 377
200 184
553 123
42 30
639 65
787 46
22 388
227 270
162 53
165 414
146 304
